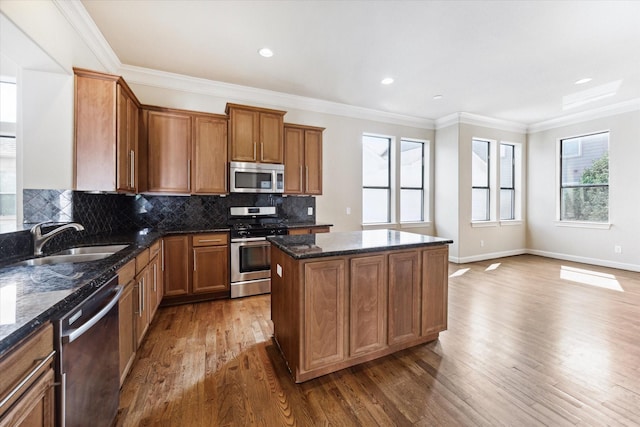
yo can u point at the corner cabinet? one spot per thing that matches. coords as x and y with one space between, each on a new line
107 153
187 151
302 159
255 134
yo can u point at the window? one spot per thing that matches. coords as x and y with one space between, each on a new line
584 181
507 182
411 181
480 192
8 106
376 179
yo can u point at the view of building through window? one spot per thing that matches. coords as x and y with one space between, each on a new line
584 182
8 105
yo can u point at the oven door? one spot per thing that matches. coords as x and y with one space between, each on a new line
250 259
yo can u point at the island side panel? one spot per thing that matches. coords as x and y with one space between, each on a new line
435 274
285 305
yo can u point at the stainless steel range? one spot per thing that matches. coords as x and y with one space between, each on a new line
250 251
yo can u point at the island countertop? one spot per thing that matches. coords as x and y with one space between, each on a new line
352 242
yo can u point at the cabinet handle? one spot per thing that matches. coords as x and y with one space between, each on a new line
209 240
162 249
155 277
143 292
302 189
254 151
137 286
132 158
262 151
189 175
25 380
307 178
195 267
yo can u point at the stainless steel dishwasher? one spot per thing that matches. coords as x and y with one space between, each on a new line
87 368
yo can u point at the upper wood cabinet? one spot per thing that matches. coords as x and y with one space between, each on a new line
187 151
106 151
256 134
302 159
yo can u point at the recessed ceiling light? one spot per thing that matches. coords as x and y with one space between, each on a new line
436 97
387 81
583 81
266 52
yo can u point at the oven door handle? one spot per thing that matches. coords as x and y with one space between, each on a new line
249 239
74 334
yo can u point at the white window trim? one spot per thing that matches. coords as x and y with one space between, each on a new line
426 165
584 224
392 181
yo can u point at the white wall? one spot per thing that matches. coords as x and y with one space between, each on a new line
447 181
594 246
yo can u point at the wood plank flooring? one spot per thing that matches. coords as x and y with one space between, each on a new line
531 341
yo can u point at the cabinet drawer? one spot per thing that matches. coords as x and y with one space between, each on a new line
142 260
25 364
154 249
127 272
213 239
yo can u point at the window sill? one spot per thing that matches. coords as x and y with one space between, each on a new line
584 224
481 224
378 226
415 224
509 222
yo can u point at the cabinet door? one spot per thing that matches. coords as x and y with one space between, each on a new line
169 149
210 269
175 265
313 161
36 408
95 134
435 274
244 135
294 170
126 330
368 304
155 286
141 310
404 296
127 141
324 313
271 142
209 174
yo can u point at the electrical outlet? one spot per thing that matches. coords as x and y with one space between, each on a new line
309 211
482 243
348 211
617 249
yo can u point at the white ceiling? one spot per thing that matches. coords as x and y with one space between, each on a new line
510 60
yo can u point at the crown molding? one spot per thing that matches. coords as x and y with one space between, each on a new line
76 14
478 120
263 97
597 113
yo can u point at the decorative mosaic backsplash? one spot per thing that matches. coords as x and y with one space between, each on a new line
103 213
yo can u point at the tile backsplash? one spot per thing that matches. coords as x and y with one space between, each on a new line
103 213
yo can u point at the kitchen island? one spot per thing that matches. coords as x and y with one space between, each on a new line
340 299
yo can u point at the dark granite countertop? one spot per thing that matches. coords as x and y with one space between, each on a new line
33 295
353 242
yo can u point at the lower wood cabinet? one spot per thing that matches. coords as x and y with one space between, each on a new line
196 267
27 382
308 230
334 312
126 278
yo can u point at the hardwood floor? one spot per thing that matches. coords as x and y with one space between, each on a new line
529 343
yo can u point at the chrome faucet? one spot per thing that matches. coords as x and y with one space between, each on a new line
40 239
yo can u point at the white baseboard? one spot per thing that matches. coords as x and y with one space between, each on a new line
555 255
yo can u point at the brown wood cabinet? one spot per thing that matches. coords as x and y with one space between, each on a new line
256 134
141 290
169 151
106 154
308 230
302 159
127 337
196 267
333 312
27 382
156 288
187 151
210 263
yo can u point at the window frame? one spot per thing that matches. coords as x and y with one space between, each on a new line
488 181
559 213
389 175
422 181
511 189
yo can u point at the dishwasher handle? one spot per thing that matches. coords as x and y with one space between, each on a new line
74 334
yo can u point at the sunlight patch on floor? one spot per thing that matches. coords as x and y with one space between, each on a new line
591 278
493 266
459 272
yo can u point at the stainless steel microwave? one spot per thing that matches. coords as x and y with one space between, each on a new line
256 177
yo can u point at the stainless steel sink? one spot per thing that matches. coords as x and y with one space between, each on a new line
72 255
107 249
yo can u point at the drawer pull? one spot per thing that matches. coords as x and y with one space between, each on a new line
209 240
42 362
